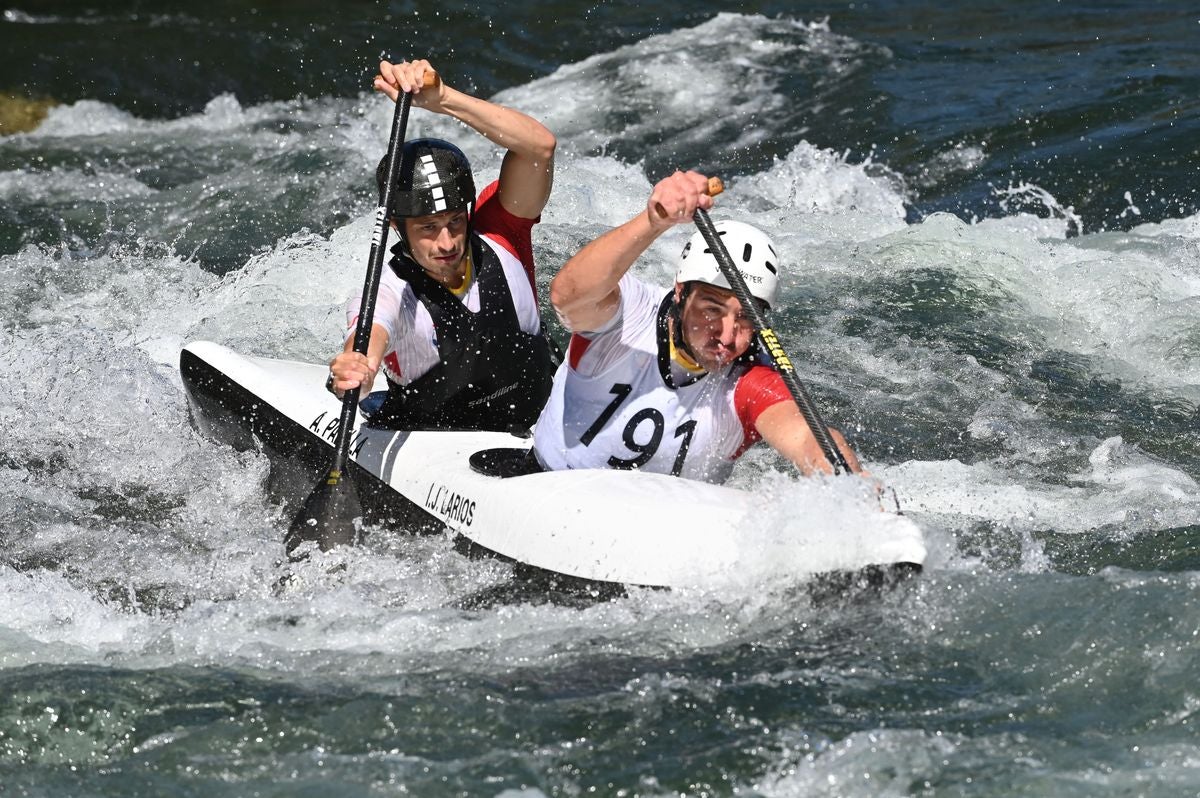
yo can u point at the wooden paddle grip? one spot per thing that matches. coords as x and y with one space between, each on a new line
714 187
428 80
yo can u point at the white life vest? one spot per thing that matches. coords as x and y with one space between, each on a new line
615 403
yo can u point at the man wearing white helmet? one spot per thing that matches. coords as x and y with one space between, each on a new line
667 380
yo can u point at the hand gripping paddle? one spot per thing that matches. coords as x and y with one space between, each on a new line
766 336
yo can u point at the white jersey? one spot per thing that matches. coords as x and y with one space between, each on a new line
617 404
412 339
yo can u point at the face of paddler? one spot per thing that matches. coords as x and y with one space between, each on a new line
714 326
438 243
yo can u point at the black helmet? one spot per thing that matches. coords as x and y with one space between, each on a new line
434 176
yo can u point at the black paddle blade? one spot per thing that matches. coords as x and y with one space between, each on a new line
327 516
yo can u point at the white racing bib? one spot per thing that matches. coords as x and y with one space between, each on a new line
614 404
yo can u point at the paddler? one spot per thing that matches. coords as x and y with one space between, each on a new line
668 380
456 326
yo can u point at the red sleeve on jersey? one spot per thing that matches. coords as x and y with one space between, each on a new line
759 388
576 348
493 220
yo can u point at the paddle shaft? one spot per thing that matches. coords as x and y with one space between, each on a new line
770 343
366 311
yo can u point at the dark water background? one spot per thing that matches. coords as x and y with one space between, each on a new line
1090 102
991 215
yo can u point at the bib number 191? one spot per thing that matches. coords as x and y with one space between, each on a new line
644 452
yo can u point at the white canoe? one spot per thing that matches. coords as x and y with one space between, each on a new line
622 527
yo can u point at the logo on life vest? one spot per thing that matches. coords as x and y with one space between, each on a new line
491 397
450 505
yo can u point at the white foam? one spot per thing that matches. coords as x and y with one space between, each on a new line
1121 488
879 762
46 618
1013 198
836 200
59 185
95 118
681 82
86 118
836 521
1126 300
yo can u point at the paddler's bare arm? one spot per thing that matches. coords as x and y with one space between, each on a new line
351 370
784 428
527 173
585 292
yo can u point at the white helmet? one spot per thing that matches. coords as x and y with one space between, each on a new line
751 252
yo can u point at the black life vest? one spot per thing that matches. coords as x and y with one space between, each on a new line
492 375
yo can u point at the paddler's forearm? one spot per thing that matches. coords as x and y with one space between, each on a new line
375 347
528 169
584 292
352 370
784 428
527 173
508 128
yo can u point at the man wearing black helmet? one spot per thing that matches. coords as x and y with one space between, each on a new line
666 380
456 326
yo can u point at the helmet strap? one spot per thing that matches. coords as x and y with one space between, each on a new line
401 246
676 316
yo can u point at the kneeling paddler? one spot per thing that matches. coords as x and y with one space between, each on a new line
456 327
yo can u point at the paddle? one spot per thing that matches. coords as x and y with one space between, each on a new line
767 336
328 513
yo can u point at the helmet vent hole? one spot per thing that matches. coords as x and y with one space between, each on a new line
770 267
747 251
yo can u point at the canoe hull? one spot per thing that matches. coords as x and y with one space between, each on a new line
595 526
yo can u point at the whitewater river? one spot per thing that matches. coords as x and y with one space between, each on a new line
991 235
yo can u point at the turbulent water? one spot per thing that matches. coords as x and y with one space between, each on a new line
991 229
